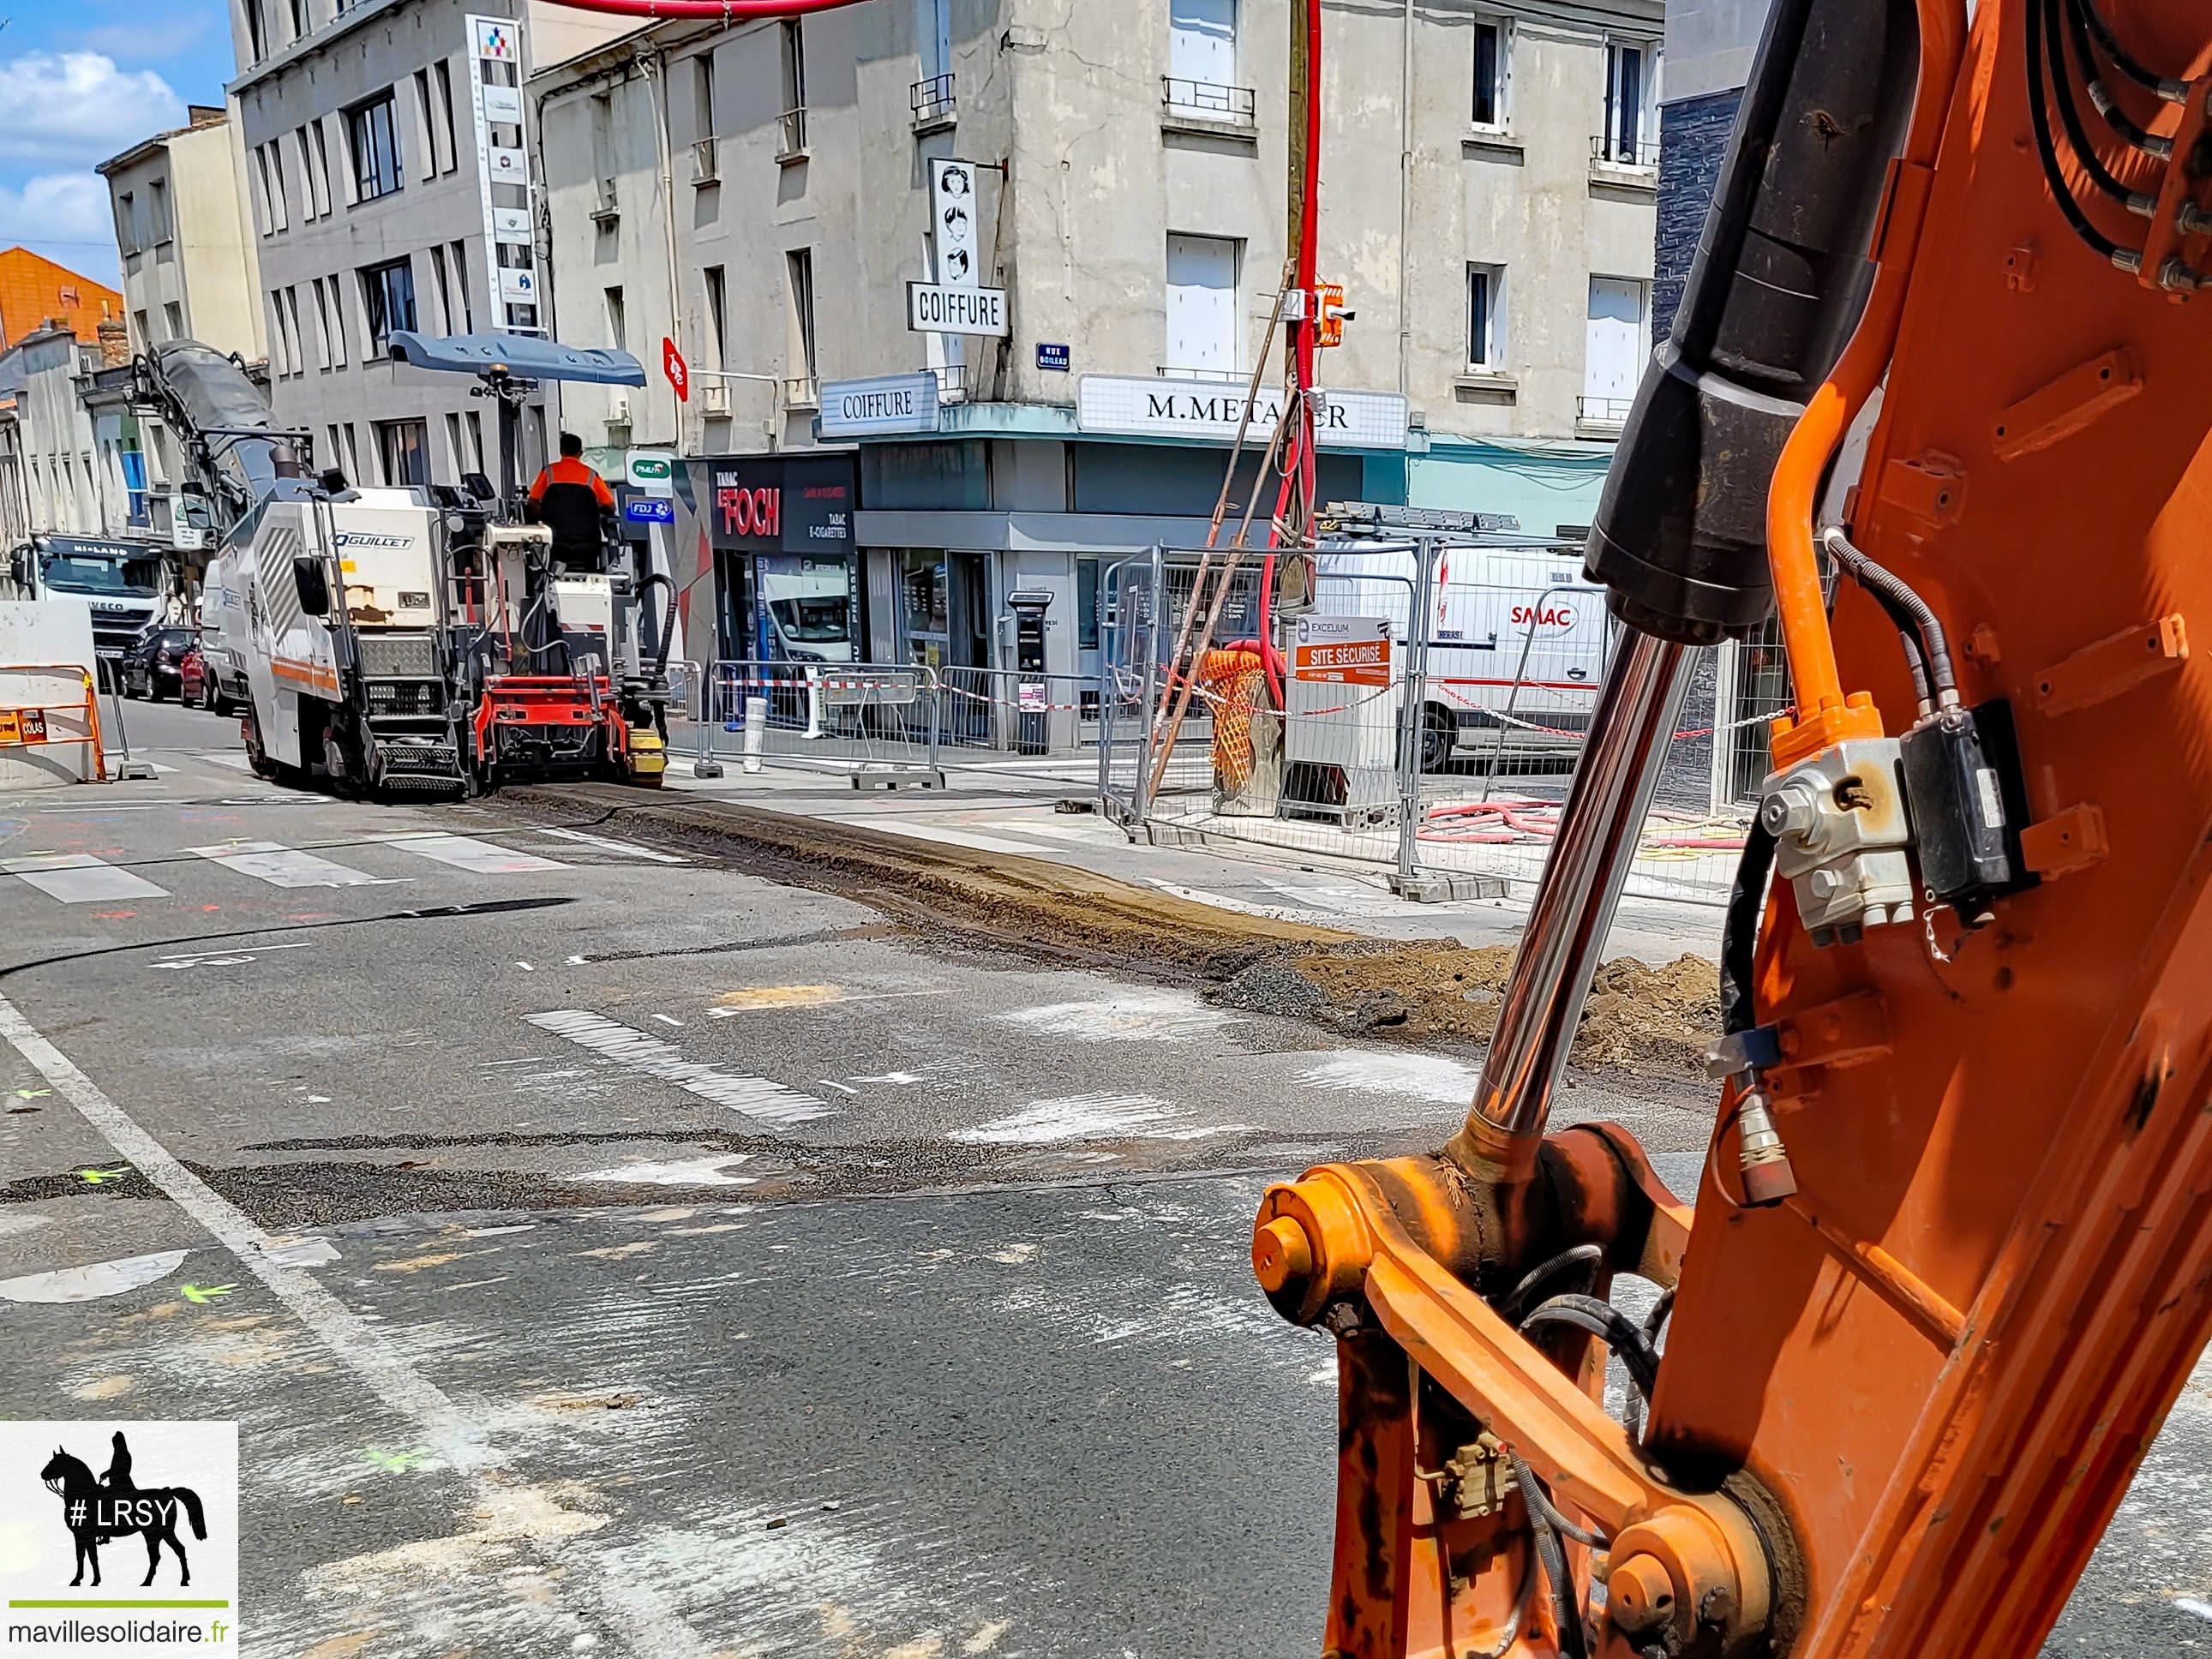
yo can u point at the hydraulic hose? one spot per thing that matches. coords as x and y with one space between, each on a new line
668 619
2070 116
1577 1255
1610 1325
1566 1606
1905 608
1540 1502
2119 120
2046 152
1790 502
1740 933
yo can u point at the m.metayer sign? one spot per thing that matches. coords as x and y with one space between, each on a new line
1211 410
772 505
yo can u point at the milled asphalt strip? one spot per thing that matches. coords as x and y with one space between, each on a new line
628 1608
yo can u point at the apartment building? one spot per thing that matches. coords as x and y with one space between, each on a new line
188 266
762 197
387 177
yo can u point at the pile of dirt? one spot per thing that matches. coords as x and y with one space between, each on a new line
1639 1018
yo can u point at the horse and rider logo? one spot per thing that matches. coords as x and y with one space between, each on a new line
98 1511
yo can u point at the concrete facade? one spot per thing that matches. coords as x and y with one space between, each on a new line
1100 171
65 486
332 215
182 227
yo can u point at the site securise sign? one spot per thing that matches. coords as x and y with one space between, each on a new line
1342 651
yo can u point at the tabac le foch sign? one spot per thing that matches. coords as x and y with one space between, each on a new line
780 506
1211 410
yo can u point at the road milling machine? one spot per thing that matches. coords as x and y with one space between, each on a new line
1937 398
416 640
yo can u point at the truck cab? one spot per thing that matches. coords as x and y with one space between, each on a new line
120 580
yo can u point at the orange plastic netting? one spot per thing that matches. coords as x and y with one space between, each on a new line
1234 683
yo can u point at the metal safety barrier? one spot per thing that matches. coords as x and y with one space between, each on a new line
1426 716
872 722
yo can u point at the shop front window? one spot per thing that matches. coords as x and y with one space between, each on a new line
925 608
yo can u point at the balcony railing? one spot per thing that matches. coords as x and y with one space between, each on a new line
1205 100
1186 372
791 140
1614 149
932 99
1603 411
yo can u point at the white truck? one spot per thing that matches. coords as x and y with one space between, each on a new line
119 580
1516 642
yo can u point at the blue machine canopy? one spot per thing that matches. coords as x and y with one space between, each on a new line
523 357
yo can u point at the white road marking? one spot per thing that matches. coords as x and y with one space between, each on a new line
1125 1016
467 853
1223 902
231 757
81 878
609 844
96 1279
284 867
2191 1605
668 1020
1424 1076
1091 1117
841 1088
826 1002
946 834
231 958
709 1171
627 1602
754 1097
1098 830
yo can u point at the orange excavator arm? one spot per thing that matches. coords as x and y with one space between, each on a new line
1950 1260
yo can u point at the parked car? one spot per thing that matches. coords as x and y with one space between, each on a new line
153 664
199 684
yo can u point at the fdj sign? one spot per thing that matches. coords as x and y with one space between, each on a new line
750 512
650 509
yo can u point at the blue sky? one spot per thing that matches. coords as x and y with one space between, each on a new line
80 80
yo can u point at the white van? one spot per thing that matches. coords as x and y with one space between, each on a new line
223 629
1517 642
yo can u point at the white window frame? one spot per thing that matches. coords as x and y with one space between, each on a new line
1646 53
1492 357
1234 367
1228 77
1502 116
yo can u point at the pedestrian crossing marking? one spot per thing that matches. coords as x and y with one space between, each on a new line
609 844
946 834
467 853
754 1097
284 867
81 878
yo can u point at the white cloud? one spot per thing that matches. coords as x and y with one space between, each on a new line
65 217
79 107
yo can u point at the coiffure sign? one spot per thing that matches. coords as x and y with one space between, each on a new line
778 506
888 402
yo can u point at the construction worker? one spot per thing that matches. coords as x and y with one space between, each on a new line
575 503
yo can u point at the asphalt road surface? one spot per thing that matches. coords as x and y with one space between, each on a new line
603 1248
